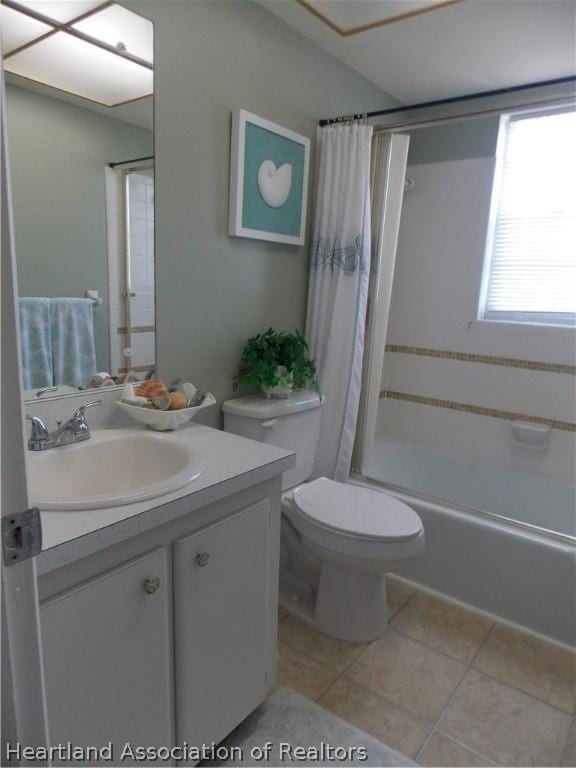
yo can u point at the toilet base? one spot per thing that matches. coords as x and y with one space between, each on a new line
337 583
351 605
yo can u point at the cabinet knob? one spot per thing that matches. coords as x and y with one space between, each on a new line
151 585
202 559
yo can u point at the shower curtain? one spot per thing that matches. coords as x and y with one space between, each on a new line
338 289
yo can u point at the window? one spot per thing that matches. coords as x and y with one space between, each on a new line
530 271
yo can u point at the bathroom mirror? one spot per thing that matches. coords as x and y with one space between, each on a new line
79 98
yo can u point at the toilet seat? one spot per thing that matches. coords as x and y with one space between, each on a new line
357 511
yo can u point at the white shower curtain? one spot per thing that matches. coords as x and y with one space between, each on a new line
338 290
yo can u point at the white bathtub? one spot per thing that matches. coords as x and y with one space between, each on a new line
522 570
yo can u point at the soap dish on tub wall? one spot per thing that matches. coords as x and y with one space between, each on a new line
535 437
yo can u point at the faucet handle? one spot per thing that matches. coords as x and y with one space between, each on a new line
76 428
81 412
39 429
44 390
38 434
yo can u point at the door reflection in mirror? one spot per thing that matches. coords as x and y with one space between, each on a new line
131 282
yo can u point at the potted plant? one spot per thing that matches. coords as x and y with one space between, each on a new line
276 363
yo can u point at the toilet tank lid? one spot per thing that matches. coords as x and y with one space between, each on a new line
260 407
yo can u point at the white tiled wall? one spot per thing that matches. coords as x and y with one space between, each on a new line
469 436
439 265
537 393
434 305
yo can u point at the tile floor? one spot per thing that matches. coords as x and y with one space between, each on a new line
445 686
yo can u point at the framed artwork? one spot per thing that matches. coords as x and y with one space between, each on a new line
268 180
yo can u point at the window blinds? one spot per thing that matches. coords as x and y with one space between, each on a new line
532 274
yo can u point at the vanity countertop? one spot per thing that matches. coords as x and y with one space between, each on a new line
233 464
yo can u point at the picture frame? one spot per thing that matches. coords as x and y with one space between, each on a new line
268 180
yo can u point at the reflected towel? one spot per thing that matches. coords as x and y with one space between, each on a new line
73 349
36 344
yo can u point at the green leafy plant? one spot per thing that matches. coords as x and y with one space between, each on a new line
265 353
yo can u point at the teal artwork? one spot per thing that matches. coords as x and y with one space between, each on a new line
268 180
277 182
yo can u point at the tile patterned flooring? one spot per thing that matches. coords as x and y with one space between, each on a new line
444 685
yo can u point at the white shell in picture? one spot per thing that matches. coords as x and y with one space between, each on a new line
274 183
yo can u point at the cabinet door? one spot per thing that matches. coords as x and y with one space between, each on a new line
222 624
107 653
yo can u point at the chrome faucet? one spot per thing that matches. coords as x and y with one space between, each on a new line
72 431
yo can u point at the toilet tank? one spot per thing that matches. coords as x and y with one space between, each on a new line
292 423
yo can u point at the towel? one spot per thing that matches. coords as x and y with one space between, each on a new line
37 367
73 349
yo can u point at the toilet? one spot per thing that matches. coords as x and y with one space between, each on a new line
338 539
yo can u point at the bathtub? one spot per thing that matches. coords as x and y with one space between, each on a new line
518 563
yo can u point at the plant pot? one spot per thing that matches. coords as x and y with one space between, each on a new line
283 389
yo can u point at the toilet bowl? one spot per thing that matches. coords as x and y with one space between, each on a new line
357 535
338 539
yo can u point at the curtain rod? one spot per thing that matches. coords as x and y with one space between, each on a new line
451 100
128 162
429 121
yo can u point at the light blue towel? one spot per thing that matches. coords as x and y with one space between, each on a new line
73 349
37 367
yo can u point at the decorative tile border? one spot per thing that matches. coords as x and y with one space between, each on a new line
136 329
508 362
480 410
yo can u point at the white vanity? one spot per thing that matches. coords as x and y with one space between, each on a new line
159 617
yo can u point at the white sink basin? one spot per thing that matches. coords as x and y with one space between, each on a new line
113 467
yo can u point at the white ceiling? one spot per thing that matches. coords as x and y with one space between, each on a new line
464 47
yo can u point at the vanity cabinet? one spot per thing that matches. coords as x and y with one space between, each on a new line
107 656
220 600
169 637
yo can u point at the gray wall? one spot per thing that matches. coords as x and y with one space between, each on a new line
58 153
214 291
460 140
